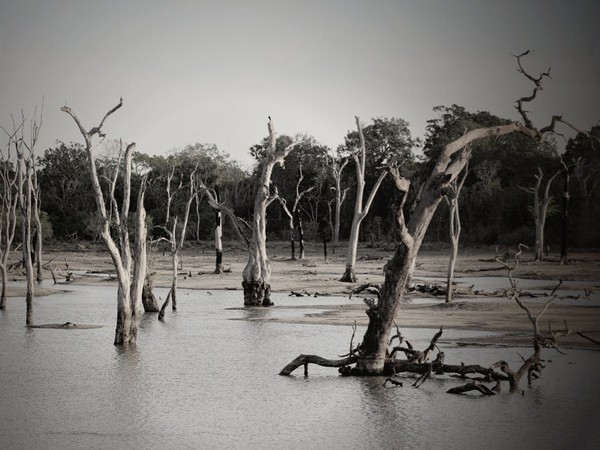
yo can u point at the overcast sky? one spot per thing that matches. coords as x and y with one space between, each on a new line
212 71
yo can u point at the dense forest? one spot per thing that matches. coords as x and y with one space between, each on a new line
497 200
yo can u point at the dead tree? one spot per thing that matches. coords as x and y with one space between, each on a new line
294 217
257 273
372 356
175 242
360 210
24 151
37 237
9 200
564 215
126 265
451 198
540 209
218 238
337 167
256 277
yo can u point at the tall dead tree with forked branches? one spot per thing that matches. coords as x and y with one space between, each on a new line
360 209
541 202
451 198
130 267
256 277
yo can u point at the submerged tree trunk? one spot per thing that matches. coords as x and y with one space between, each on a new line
9 202
4 275
25 202
177 244
36 208
128 299
256 276
175 262
148 298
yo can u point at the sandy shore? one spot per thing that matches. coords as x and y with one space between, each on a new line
474 312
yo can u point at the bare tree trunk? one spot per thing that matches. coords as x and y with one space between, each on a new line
198 219
455 230
140 286
337 168
256 276
292 239
128 305
564 215
218 241
148 298
36 206
175 260
294 216
4 275
300 233
177 244
25 205
540 209
349 275
27 247
9 201
360 210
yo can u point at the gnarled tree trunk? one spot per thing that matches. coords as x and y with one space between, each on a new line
256 276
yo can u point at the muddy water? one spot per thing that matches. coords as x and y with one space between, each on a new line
203 380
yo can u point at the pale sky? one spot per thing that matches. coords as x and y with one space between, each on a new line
212 71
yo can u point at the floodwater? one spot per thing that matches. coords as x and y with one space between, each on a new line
208 378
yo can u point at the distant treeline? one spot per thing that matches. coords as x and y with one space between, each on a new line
496 206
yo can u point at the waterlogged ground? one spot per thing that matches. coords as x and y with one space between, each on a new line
207 378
